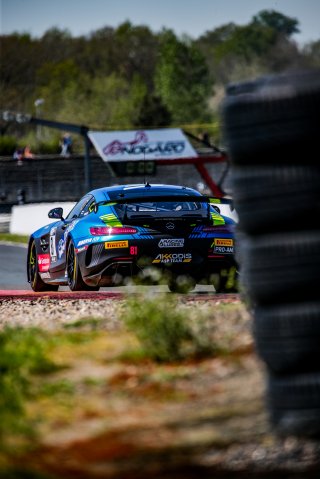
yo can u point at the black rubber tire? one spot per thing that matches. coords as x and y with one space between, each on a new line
287 336
281 267
75 281
227 281
273 120
294 404
276 198
182 284
36 282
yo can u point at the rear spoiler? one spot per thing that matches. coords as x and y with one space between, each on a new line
172 198
150 198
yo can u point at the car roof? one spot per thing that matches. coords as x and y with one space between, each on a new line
140 190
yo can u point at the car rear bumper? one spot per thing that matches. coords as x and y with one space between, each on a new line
105 266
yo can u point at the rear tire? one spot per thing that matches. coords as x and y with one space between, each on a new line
36 282
75 281
181 284
228 281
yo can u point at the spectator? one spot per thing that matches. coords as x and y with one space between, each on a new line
28 153
18 155
66 145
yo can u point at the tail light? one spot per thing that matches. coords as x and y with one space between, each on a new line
116 230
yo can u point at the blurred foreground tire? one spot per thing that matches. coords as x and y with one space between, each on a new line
287 336
282 267
274 120
294 404
276 198
272 131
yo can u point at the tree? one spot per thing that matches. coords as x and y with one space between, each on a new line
182 79
282 24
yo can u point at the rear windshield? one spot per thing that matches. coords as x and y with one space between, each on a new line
162 209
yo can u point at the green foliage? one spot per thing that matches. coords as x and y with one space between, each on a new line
131 77
14 238
277 21
22 354
182 80
165 331
7 145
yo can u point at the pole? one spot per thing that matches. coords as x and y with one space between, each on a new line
87 163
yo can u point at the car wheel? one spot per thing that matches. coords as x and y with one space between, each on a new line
181 284
227 281
75 280
33 272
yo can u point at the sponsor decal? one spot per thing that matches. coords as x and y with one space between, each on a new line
84 241
52 244
223 242
45 275
223 249
116 244
223 245
173 258
151 144
171 243
43 262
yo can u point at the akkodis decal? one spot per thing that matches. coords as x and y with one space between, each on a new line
172 258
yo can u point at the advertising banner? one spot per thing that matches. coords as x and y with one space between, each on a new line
168 143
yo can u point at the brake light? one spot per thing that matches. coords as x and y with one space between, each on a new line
116 230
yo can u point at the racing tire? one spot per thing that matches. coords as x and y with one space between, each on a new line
75 281
36 282
181 284
281 267
276 198
287 336
273 120
227 281
294 404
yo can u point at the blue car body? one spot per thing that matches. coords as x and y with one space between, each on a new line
122 232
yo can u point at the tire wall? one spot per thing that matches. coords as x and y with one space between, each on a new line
272 131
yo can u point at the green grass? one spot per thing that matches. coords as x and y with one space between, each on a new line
165 331
14 238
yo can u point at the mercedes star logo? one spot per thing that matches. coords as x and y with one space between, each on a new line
170 226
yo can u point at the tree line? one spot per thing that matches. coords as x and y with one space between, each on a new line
132 77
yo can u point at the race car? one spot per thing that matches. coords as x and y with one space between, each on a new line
144 233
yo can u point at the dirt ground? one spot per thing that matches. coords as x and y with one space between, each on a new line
122 417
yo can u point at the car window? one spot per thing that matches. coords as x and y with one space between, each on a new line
89 206
77 209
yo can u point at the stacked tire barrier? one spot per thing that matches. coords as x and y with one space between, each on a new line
272 131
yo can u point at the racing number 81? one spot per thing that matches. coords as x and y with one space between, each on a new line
133 250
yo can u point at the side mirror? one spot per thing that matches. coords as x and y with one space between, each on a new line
56 214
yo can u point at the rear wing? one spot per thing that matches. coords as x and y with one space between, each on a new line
164 198
135 207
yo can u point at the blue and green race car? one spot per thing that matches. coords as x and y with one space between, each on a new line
145 233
